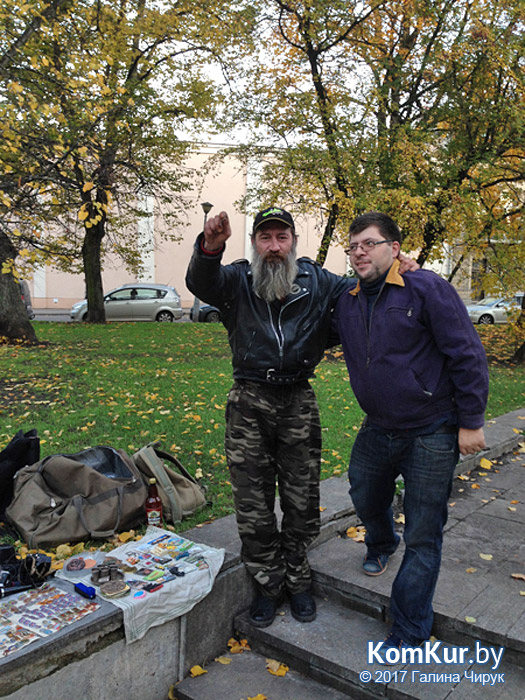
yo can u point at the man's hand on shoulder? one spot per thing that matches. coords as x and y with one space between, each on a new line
217 230
407 264
471 441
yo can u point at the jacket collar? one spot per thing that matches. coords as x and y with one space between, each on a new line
393 277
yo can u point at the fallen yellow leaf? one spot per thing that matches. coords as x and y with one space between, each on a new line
513 502
400 518
522 592
463 477
475 486
125 536
471 570
276 668
259 696
451 505
487 557
356 533
197 671
322 508
64 551
470 619
512 509
485 463
237 647
517 430
171 693
520 577
224 660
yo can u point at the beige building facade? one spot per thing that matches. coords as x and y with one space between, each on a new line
164 261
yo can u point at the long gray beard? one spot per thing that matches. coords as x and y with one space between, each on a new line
273 279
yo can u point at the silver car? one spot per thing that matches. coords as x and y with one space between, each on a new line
136 302
493 309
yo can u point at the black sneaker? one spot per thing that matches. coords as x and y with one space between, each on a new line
303 606
263 611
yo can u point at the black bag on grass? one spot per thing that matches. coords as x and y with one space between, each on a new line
23 450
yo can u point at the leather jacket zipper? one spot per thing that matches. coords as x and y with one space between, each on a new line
278 332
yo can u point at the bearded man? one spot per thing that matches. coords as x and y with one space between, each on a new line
277 312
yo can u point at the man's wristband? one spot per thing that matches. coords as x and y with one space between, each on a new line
212 252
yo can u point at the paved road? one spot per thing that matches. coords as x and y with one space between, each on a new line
62 315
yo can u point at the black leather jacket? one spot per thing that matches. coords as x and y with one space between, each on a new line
278 344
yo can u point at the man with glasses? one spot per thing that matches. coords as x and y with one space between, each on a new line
419 372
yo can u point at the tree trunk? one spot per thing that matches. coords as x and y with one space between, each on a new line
91 255
519 356
14 323
327 235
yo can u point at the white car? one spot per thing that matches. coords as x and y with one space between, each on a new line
494 309
136 302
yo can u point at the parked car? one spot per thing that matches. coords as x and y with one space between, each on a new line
208 314
136 302
493 309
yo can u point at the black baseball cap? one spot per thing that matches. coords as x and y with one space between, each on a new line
273 214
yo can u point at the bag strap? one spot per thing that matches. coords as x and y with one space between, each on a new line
176 463
159 471
78 502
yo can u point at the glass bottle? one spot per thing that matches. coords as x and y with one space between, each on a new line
153 505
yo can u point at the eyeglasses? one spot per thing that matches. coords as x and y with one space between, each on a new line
364 245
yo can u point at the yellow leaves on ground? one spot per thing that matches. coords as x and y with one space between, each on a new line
400 518
471 620
356 533
64 551
471 570
224 660
276 668
486 557
238 646
88 186
475 486
519 577
463 477
485 463
197 671
259 696
125 536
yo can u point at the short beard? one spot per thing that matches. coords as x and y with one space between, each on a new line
273 279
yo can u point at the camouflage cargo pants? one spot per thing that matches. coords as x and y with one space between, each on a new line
273 434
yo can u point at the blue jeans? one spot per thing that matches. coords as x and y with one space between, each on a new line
427 463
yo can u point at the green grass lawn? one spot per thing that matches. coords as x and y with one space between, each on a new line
125 385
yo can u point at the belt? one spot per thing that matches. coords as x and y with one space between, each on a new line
273 376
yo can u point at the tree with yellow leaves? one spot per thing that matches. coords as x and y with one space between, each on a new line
92 100
408 106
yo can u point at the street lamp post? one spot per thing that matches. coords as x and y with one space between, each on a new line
206 208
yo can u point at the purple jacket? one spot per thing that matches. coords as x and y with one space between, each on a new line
420 359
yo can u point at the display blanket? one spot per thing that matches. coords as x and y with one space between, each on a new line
164 576
39 612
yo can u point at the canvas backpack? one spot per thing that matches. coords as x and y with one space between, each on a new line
180 493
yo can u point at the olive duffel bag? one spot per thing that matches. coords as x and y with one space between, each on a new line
73 497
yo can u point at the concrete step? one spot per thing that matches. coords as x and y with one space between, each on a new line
489 598
333 650
247 677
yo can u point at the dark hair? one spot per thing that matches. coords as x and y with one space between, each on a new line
387 226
